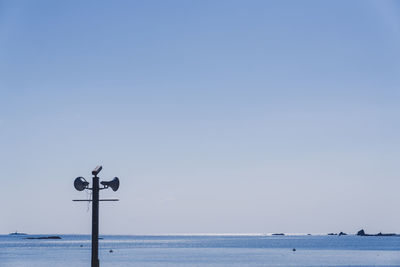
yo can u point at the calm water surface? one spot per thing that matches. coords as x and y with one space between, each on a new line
156 251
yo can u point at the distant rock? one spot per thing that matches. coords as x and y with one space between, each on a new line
341 233
279 234
380 234
16 233
44 237
361 232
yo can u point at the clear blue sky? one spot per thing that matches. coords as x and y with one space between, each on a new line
218 116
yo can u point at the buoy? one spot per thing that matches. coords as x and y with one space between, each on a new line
294 249
111 251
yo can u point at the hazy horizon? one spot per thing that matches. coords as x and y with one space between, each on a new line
217 116
272 234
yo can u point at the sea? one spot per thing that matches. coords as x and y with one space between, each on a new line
202 250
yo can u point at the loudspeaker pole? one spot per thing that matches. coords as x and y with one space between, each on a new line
95 222
81 184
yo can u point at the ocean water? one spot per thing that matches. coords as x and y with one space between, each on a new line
156 251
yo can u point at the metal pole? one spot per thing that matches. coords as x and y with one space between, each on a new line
95 223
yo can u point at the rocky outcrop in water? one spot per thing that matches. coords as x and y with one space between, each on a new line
16 233
362 233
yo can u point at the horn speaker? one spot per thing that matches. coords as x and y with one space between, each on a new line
114 184
80 183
